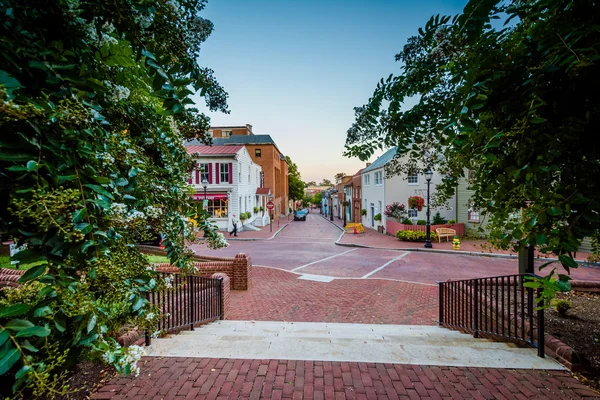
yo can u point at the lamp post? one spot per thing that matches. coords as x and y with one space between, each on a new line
204 185
331 208
345 211
428 176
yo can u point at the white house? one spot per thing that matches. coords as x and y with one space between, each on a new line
379 190
233 185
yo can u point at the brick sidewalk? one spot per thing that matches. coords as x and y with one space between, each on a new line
211 379
280 296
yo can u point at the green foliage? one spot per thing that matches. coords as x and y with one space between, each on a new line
317 198
255 209
451 221
407 221
295 184
96 97
377 217
421 222
396 211
245 215
363 212
516 101
438 219
325 182
261 208
562 306
414 236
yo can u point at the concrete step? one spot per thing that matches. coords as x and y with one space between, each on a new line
422 345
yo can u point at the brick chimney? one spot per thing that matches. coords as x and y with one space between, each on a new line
249 127
368 164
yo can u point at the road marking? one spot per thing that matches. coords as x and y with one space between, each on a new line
384 265
324 259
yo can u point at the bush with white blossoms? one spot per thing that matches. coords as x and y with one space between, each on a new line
124 359
216 242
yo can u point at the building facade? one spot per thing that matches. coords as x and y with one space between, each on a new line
264 152
233 184
353 190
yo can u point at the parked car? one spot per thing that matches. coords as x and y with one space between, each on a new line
300 215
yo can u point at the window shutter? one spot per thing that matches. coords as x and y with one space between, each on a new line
209 172
230 172
218 173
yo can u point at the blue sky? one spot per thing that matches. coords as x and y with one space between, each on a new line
295 70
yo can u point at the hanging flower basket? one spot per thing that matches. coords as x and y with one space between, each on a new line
416 202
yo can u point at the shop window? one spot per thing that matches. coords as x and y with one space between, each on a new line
217 208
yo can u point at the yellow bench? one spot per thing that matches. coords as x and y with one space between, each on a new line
352 225
445 232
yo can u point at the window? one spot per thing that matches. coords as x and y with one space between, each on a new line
472 214
367 180
413 213
226 133
379 178
257 153
203 168
217 208
224 170
413 179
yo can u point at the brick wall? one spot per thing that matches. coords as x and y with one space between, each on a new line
226 294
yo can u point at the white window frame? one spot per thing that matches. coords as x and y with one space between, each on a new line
378 178
203 174
367 180
224 172
414 178
413 213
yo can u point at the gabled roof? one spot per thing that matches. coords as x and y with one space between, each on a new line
213 150
382 160
263 190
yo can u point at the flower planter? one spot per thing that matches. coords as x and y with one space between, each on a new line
393 226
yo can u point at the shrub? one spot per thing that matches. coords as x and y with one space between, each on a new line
363 212
451 221
562 306
395 210
377 217
414 236
438 219
407 221
255 210
261 208
244 216
421 222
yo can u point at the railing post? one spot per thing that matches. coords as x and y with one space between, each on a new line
191 302
475 309
441 303
147 337
540 326
221 292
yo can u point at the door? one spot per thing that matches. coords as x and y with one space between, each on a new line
372 215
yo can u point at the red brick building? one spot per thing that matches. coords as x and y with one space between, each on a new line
353 190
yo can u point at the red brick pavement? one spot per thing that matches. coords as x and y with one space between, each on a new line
280 296
213 379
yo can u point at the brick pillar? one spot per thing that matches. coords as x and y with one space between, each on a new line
226 291
242 272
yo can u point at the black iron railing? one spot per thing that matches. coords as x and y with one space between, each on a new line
496 307
186 302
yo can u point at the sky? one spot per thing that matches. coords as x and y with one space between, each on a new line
296 69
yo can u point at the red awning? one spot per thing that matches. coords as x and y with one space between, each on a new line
210 196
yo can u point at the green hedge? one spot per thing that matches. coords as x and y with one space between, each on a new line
414 236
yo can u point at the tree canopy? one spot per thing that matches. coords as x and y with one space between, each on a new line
310 183
509 90
325 182
95 109
295 184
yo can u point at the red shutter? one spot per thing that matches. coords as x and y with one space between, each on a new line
209 172
218 173
230 172
197 175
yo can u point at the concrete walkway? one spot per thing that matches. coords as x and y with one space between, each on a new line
398 344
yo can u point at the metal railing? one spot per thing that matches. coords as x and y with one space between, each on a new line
497 307
190 300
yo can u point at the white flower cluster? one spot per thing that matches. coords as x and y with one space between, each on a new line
118 208
116 92
218 242
169 281
108 40
153 212
135 214
106 158
132 356
149 316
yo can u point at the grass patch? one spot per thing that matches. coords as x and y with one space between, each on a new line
157 259
5 263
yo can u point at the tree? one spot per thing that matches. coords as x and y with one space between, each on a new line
317 198
325 182
310 183
517 103
339 176
295 184
96 97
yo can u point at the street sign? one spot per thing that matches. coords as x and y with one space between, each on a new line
270 205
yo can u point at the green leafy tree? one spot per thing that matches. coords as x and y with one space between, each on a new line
295 184
96 97
310 183
325 182
517 101
317 198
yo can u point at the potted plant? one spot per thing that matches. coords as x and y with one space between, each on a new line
244 216
363 212
255 210
377 218
396 211
262 210
416 202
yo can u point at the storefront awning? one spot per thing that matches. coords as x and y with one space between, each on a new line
210 196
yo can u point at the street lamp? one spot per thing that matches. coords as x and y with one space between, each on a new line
204 185
331 208
428 176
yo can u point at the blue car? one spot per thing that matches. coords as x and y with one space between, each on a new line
300 215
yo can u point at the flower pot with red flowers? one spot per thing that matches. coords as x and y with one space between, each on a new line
416 202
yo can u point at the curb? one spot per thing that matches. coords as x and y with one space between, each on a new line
256 239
